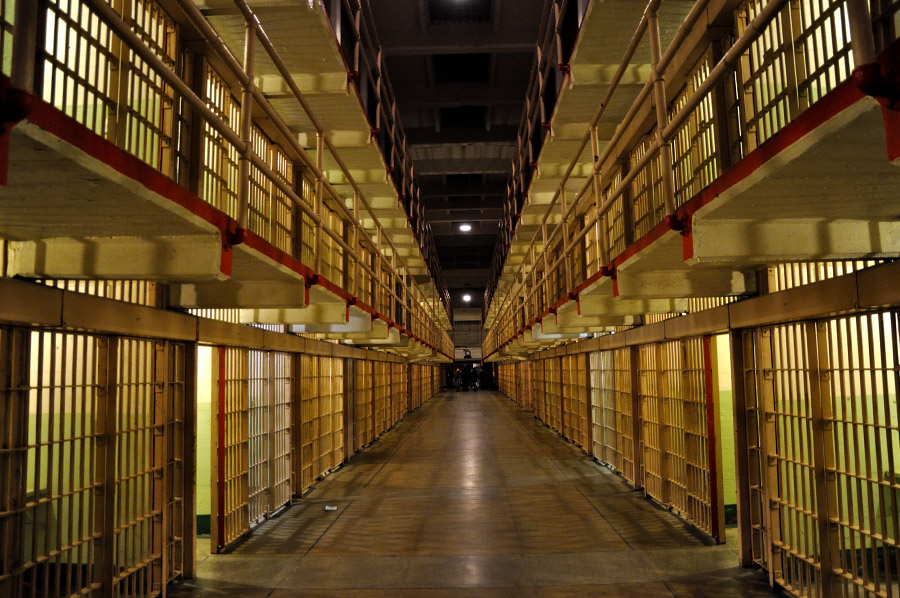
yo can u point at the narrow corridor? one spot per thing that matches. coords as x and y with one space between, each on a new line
470 496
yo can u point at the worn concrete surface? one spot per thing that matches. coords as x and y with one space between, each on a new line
470 496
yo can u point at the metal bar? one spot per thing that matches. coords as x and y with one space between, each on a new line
823 458
687 26
14 374
747 37
741 447
289 80
727 61
24 45
246 125
713 446
124 31
219 470
189 471
637 423
662 114
105 468
862 39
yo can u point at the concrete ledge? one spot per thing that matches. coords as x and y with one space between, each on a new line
28 303
213 332
115 317
879 286
710 321
829 297
652 333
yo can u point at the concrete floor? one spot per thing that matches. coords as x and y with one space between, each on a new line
470 496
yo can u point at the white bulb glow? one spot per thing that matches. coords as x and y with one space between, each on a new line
465 227
467 298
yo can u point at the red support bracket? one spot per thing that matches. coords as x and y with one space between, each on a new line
609 271
15 104
676 222
871 80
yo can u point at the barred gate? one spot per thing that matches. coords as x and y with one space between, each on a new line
92 434
230 439
575 399
613 423
364 426
824 448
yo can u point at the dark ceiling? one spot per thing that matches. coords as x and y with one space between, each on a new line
459 69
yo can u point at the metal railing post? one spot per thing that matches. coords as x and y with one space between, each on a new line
603 248
662 114
356 245
246 127
862 40
24 45
565 215
318 201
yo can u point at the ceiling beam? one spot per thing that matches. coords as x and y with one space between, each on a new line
454 135
463 166
462 48
436 216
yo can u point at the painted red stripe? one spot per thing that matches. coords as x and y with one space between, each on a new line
832 104
841 98
74 133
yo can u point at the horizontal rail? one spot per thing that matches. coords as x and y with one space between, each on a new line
124 31
535 271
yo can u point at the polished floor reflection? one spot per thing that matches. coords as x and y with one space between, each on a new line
470 496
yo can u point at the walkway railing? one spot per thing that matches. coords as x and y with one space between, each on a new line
354 26
124 71
779 60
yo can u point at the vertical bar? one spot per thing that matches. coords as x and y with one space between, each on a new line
823 456
637 420
665 428
105 468
713 446
14 373
189 471
349 407
746 98
560 392
791 25
862 40
587 434
270 391
742 463
195 153
24 45
771 515
246 124
720 114
218 496
159 461
662 113
565 241
318 201
297 417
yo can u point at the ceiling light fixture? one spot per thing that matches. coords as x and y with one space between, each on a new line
465 227
467 298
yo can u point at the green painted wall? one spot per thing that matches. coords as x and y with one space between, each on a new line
204 437
726 426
